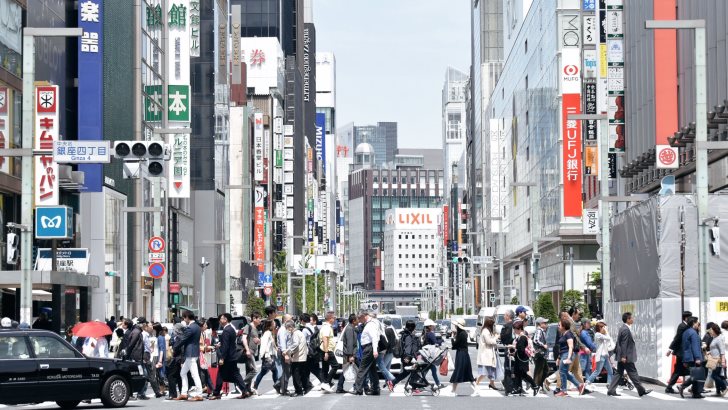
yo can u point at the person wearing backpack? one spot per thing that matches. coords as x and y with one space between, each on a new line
387 342
524 351
313 342
409 346
250 341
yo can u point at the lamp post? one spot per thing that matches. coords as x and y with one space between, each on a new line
701 145
26 209
203 264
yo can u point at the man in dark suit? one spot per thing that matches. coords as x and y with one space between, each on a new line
228 356
626 353
676 349
190 343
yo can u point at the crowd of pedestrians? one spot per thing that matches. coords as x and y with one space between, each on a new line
198 359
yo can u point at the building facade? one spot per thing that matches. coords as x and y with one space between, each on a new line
412 250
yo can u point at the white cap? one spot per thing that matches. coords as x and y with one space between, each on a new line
6 322
429 322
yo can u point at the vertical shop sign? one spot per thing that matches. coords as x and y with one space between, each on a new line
259 232
179 102
90 86
46 131
4 127
258 166
572 141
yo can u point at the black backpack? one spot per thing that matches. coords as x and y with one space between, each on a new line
314 344
397 348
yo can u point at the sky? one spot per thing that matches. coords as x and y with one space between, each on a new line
391 58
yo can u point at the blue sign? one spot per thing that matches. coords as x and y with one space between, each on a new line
53 222
90 85
589 5
261 279
321 140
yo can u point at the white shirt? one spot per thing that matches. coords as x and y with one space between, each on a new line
370 334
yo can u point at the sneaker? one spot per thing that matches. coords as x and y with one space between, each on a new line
582 387
325 387
254 392
475 394
546 385
448 393
390 385
561 394
142 397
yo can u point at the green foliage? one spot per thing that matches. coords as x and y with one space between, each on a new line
514 300
255 303
595 278
433 315
544 307
459 311
575 298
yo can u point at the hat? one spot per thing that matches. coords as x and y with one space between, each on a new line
541 320
520 310
5 322
460 322
429 322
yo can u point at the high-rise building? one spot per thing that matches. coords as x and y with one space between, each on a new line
382 137
454 125
372 191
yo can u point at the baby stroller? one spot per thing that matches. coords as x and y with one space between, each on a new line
623 379
428 357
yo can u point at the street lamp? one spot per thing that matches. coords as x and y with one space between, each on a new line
26 209
701 145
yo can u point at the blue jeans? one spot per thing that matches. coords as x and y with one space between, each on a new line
603 363
264 370
586 365
564 372
433 371
384 362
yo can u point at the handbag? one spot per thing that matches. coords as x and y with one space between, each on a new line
443 366
697 373
712 362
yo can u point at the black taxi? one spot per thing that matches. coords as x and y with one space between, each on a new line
38 366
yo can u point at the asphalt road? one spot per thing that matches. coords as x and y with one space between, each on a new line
268 399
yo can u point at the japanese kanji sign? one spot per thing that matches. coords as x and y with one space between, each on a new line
178 103
81 152
259 232
194 28
46 131
153 103
154 17
258 166
179 171
571 131
4 127
90 90
178 41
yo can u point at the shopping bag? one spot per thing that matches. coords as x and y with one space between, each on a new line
444 365
350 372
499 371
450 363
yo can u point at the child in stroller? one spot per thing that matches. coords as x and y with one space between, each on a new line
428 357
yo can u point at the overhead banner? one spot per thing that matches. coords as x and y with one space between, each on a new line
45 187
571 131
90 85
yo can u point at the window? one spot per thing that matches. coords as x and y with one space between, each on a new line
48 347
406 275
404 192
420 275
400 276
400 246
400 236
13 348
384 192
384 179
407 285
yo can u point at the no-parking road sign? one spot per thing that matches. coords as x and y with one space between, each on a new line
156 270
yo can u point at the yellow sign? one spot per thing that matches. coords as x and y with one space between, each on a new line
603 60
721 306
626 308
590 160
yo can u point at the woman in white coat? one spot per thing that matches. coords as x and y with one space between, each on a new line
487 353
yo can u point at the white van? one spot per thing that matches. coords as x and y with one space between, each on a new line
500 318
485 312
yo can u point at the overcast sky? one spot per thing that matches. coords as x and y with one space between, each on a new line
391 57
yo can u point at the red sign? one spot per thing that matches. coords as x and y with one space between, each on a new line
267 290
156 244
174 287
46 100
572 154
259 237
446 223
667 156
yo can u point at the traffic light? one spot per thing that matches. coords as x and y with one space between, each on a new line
153 152
11 245
460 259
715 241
